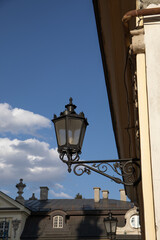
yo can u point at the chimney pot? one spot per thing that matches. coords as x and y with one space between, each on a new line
123 196
44 193
105 194
96 194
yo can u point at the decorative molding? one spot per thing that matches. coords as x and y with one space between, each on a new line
145 3
128 229
137 45
15 224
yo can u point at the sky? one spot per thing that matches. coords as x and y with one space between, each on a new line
49 52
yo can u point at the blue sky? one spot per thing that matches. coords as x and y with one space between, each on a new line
49 53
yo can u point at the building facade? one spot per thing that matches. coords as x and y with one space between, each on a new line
66 218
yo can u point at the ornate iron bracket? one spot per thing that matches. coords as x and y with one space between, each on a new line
128 169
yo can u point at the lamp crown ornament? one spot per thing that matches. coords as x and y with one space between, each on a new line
70 107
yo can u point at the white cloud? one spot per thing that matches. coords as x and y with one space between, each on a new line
58 186
16 120
52 193
60 195
32 160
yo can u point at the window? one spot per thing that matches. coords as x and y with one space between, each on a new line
134 220
58 222
4 228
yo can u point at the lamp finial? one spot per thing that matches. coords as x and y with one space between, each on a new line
70 100
70 107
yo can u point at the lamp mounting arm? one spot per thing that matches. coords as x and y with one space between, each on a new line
127 169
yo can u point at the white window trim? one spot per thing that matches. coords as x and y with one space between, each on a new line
59 220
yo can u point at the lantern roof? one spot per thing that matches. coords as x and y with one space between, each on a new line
70 110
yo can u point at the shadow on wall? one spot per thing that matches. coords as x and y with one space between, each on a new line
90 226
34 227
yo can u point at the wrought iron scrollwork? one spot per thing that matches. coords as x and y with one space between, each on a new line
127 169
80 169
70 159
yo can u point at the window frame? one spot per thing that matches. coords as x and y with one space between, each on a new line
59 224
2 220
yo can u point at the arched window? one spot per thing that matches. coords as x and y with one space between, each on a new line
58 221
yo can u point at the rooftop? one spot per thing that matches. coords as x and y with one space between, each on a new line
76 205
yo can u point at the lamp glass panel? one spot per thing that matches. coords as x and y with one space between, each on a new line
82 134
113 226
74 130
61 131
108 226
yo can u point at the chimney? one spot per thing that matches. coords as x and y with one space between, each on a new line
96 194
122 195
44 193
105 194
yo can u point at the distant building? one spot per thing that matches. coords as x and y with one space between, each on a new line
66 218
13 216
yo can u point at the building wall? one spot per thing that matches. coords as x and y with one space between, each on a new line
79 225
152 45
10 216
147 209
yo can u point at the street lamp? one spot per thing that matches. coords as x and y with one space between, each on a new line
110 225
70 129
